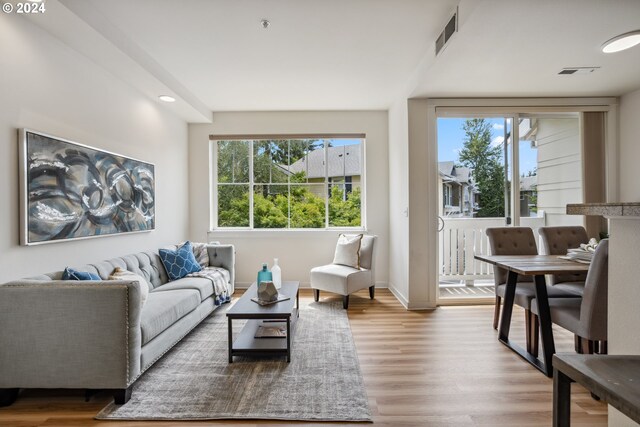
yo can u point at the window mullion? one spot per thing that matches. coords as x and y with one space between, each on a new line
251 184
326 184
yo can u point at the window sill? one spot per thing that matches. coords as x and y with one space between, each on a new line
280 232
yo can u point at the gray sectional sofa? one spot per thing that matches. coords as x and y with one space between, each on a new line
95 334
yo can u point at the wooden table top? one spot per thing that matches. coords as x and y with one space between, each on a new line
534 265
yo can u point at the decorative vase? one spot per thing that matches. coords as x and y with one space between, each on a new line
264 275
276 273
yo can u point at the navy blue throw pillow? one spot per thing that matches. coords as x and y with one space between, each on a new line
71 274
180 262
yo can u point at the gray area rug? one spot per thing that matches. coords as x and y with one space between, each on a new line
194 381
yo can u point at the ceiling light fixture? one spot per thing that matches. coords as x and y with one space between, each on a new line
167 98
622 42
265 23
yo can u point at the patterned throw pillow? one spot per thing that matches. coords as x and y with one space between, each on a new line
348 251
71 274
201 254
180 262
121 274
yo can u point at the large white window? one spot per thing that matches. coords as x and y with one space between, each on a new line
310 183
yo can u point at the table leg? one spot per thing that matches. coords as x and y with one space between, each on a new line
561 399
288 339
546 331
507 306
230 339
298 303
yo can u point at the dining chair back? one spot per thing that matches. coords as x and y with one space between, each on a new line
557 241
511 241
593 310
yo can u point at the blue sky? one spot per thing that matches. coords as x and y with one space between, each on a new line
451 141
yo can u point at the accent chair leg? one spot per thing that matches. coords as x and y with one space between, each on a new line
8 396
345 301
372 292
316 295
496 313
122 395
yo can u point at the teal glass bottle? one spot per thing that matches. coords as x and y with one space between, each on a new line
264 275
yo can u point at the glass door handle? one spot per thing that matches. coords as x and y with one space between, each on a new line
440 224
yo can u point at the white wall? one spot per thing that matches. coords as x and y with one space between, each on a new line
399 201
46 86
625 235
298 251
629 147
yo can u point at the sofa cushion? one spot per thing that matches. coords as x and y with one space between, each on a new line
202 285
340 279
163 309
180 262
71 274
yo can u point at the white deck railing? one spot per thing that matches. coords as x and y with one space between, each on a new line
462 238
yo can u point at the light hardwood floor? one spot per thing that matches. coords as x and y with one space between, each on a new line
438 368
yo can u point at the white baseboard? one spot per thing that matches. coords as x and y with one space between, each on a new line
396 293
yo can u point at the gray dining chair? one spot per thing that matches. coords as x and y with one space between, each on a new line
557 241
518 241
586 317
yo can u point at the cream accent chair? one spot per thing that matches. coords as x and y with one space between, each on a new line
344 280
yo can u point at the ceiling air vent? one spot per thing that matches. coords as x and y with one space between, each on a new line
445 35
577 70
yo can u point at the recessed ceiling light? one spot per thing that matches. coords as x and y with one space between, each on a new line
265 23
622 42
167 98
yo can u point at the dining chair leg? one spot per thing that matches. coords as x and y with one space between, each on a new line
496 313
603 347
535 334
527 330
577 343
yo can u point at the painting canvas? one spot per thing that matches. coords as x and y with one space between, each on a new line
71 191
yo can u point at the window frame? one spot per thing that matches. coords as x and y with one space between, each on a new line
251 139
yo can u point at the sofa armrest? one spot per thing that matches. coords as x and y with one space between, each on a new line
223 256
69 334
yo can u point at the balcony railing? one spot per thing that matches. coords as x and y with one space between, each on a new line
462 238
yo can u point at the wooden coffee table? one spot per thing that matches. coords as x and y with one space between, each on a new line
287 311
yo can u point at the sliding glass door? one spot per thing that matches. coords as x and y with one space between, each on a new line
486 180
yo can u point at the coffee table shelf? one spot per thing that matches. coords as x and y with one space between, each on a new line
287 312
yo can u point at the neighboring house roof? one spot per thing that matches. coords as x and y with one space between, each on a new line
446 168
528 183
344 160
449 172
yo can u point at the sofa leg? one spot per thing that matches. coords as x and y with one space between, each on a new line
372 292
122 395
316 295
345 301
8 396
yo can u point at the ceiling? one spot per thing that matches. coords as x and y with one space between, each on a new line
352 54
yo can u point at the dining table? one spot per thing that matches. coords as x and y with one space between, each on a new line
536 266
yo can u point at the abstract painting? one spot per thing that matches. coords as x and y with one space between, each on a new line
71 191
